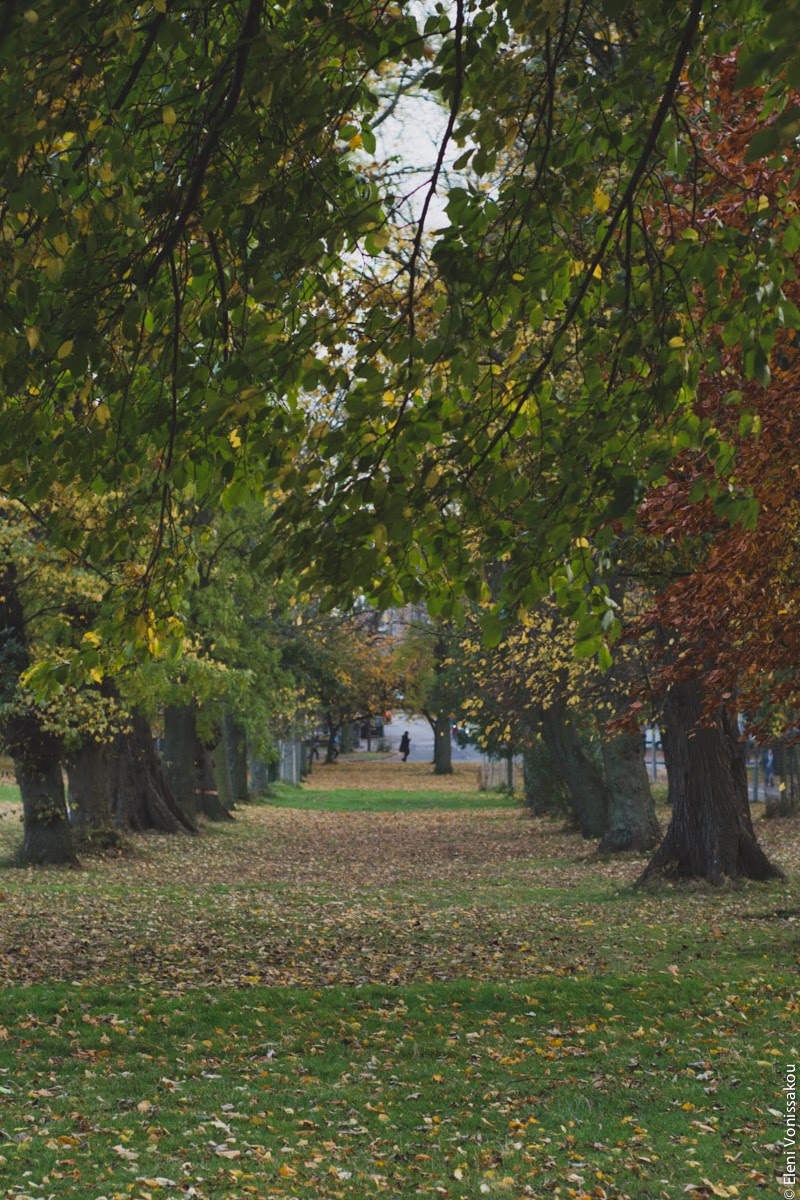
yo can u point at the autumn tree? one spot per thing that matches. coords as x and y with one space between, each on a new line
549 394
342 664
719 533
429 685
181 190
532 686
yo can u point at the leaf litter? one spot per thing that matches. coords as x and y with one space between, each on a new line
454 1003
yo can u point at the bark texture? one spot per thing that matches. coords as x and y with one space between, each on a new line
442 746
545 792
586 786
189 765
235 739
142 797
711 833
631 823
90 792
47 838
261 776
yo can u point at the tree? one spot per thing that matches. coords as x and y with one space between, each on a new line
533 686
558 381
182 186
429 687
725 613
343 665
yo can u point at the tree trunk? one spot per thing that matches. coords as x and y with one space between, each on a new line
179 752
209 801
586 786
143 798
442 747
543 784
631 822
236 740
331 753
47 838
189 765
665 750
222 769
781 803
260 775
90 793
711 834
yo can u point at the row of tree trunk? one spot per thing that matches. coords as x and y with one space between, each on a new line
710 834
124 785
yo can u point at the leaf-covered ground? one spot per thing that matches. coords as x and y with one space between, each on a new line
447 1001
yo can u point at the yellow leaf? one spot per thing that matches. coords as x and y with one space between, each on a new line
96 674
763 202
676 342
33 335
597 273
64 349
432 478
106 173
102 414
601 200
168 115
512 129
61 243
234 439
356 141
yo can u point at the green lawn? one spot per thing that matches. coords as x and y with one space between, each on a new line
455 1002
355 800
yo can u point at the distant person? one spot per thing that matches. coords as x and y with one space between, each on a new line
768 763
405 745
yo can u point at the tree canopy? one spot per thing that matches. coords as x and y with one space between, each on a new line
210 290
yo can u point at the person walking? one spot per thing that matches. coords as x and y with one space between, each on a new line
405 745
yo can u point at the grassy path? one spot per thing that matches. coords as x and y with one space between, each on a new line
388 984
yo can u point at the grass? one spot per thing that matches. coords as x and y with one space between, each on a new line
434 999
357 800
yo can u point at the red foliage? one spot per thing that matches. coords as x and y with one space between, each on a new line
731 612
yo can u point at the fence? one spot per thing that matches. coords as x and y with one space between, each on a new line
494 774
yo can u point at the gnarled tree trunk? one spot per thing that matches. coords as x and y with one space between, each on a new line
711 833
143 798
90 792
